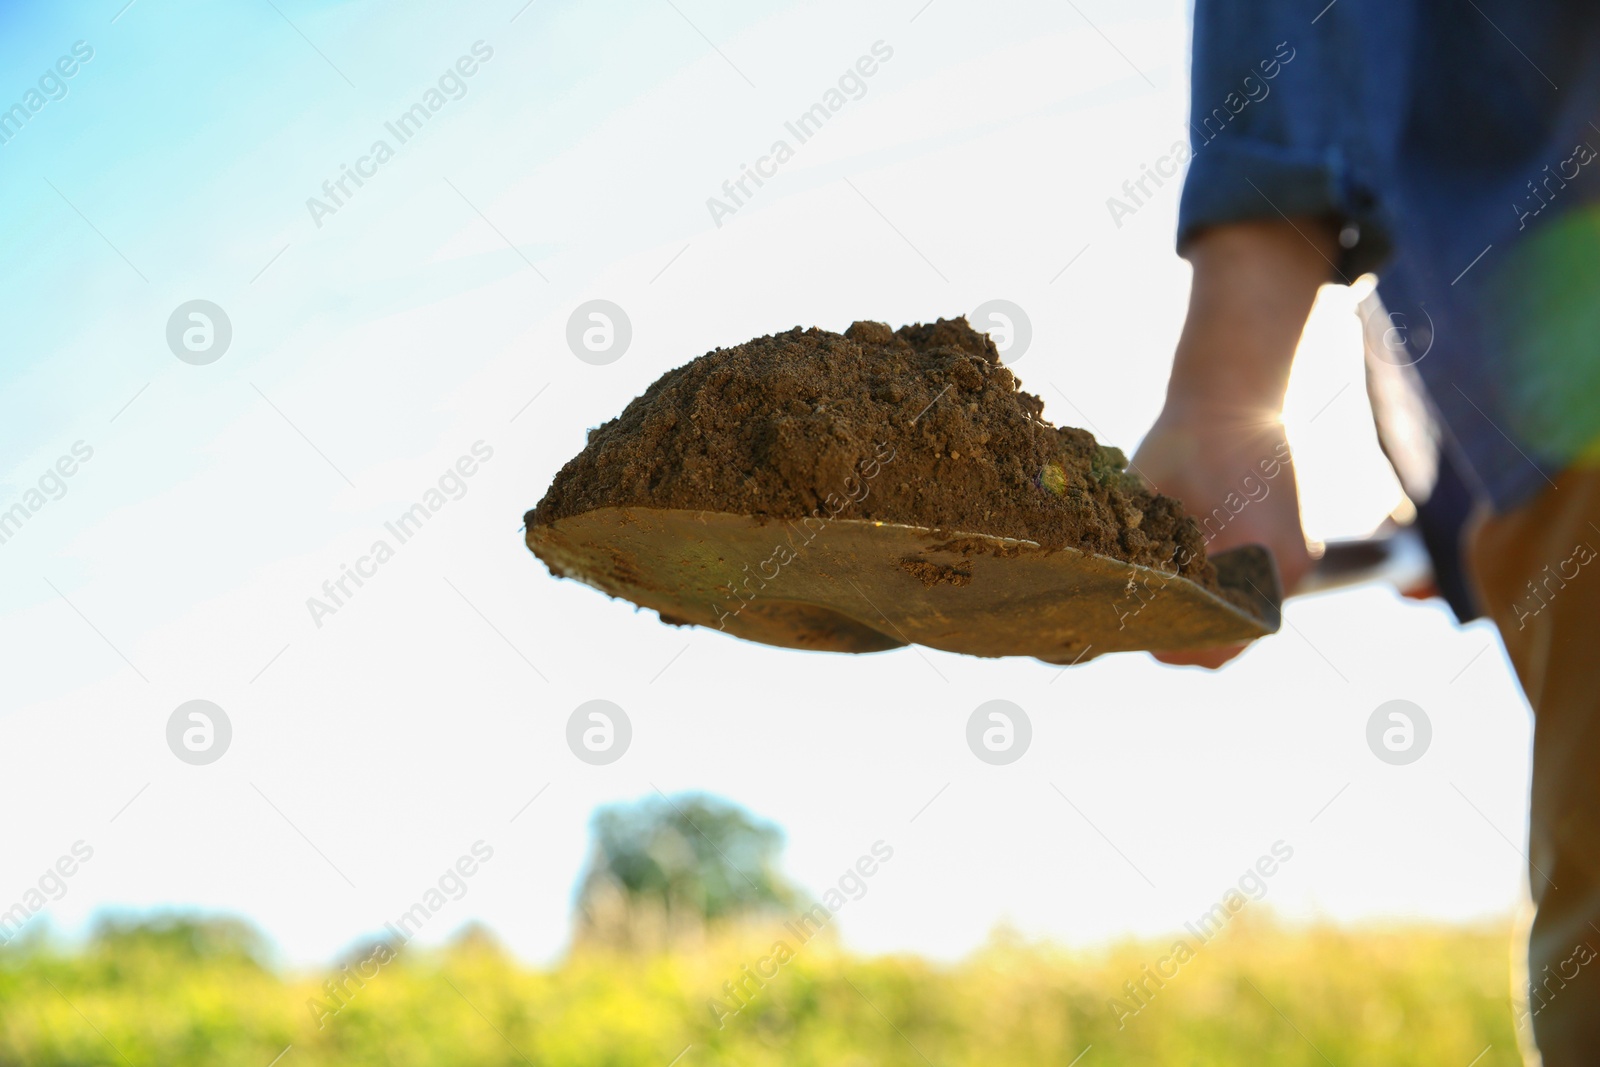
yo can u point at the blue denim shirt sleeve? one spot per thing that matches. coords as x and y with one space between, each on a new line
1268 96
1458 149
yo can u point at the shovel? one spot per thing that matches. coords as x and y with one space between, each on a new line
852 585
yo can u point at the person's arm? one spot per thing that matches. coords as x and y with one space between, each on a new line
1220 432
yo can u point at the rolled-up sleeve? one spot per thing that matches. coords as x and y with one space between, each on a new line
1276 126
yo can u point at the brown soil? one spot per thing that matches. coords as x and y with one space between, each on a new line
931 574
922 426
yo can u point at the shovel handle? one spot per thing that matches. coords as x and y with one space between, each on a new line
1397 556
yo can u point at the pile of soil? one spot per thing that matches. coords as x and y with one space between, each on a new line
922 425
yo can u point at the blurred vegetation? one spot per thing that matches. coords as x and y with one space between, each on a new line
681 958
176 992
664 871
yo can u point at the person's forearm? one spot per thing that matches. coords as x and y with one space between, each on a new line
1254 284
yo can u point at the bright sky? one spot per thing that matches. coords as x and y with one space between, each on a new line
429 313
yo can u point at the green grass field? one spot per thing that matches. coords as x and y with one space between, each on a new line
1258 994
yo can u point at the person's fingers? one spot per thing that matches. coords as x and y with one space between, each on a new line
1210 658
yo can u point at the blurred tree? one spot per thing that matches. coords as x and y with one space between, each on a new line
662 869
131 942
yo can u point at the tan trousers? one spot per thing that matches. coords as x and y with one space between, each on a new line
1537 571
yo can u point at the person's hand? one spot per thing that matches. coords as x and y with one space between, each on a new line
1234 473
1219 446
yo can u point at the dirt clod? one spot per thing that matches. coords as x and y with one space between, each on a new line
922 426
931 574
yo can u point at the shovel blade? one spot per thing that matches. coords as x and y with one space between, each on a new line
849 585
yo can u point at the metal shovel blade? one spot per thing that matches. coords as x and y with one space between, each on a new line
848 585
